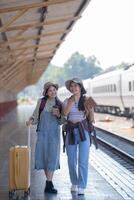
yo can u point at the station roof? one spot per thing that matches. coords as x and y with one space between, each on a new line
30 34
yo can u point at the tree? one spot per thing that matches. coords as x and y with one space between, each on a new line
76 66
81 67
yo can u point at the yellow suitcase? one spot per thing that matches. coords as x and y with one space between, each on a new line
19 168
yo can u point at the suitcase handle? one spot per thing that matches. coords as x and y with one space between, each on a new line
16 166
28 136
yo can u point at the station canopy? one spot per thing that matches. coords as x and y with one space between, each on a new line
30 34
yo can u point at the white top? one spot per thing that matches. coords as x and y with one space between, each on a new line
75 114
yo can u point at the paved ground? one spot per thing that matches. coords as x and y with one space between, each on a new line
13 131
119 125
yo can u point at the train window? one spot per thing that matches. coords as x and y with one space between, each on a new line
108 88
102 89
114 88
130 86
105 88
111 88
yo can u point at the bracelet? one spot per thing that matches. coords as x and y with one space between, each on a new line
59 117
32 119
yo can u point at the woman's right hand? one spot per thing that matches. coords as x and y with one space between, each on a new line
29 122
71 99
69 105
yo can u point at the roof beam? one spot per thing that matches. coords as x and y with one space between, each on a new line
20 74
38 57
10 74
38 24
20 53
34 46
33 5
25 38
13 19
10 68
38 52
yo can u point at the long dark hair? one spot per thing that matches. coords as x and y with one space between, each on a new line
81 103
81 106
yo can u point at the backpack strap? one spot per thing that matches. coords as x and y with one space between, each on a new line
42 105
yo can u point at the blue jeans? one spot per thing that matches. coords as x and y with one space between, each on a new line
78 156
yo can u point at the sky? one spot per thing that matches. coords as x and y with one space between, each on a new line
106 30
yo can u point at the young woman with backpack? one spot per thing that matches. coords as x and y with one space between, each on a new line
46 116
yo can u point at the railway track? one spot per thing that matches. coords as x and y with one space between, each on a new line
120 149
114 160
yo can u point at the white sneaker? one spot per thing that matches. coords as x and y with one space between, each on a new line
80 191
74 188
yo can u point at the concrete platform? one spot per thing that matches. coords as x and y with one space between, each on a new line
118 125
14 132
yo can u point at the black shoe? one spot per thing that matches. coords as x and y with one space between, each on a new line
50 188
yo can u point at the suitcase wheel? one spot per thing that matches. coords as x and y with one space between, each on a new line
11 193
26 193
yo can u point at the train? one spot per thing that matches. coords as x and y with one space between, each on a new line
113 92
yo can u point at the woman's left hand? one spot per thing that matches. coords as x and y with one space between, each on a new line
56 112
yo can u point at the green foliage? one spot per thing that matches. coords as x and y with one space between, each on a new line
79 66
76 66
